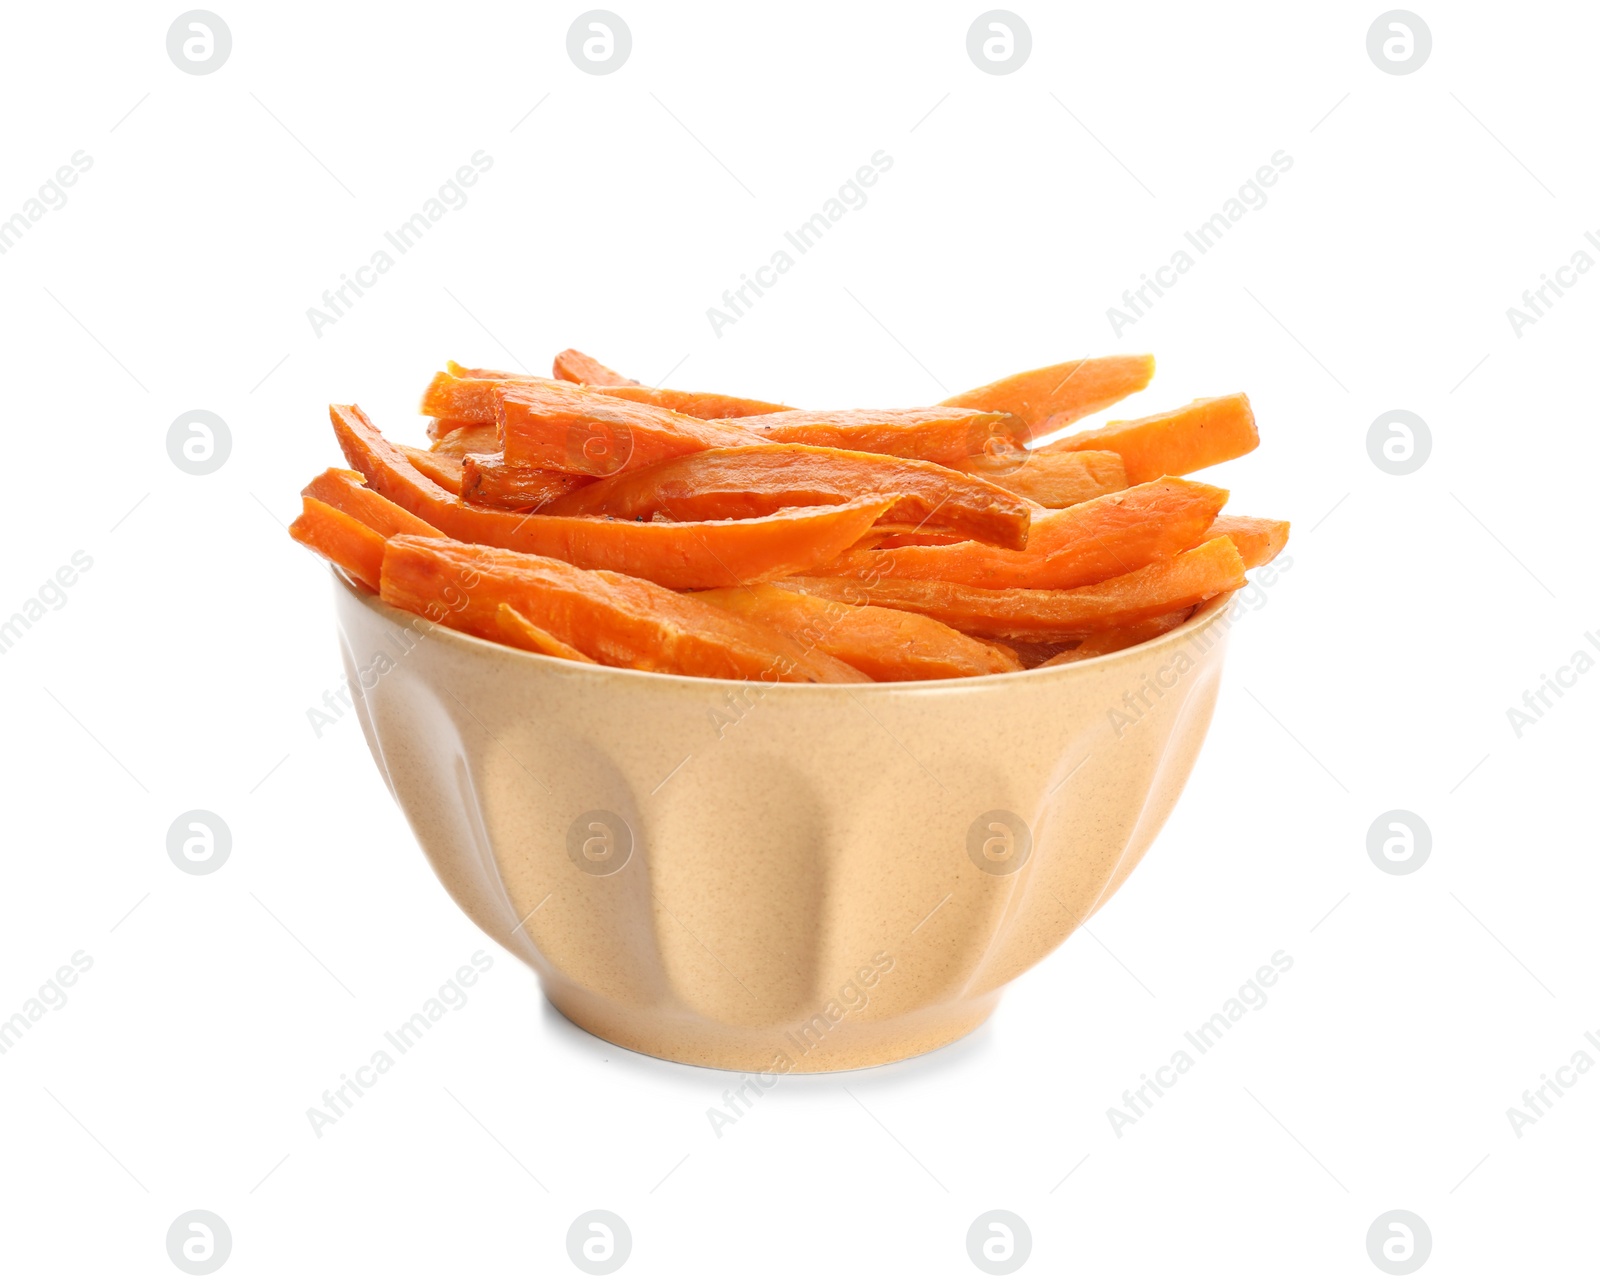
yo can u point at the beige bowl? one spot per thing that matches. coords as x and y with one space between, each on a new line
786 877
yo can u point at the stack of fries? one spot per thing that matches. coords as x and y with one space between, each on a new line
592 518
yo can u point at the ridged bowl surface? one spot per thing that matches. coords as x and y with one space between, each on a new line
785 877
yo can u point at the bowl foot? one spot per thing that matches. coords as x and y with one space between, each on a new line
814 1044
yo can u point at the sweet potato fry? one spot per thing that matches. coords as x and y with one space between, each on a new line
1054 479
1009 650
346 490
592 518
491 373
742 482
443 426
580 368
575 430
1206 432
1119 637
459 441
550 425
894 536
342 540
944 434
458 400
1029 654
516 631
486 479
617 620
1260 540
684 556
1052 396
880 642
703 406
1163 586
1080 545
442 468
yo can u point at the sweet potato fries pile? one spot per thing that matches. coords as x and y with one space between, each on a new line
594 519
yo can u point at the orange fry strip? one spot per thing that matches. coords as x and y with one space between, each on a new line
1206 432
944 434
342 540
450 392
515 630
459 441
892 536
486 479
456 400
1029 655
684 556
1119 637
575 430
1054 479
617 620
1164 586
1052 396
443 426
442 468
703 406
346 490
580 368
491 373
880 642
742 482
1260 540
1080 545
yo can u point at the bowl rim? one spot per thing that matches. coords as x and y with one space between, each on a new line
487 648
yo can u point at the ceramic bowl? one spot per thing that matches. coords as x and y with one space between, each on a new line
784 877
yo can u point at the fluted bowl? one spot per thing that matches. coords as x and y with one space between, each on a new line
784 877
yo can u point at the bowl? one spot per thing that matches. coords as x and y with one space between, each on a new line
776 878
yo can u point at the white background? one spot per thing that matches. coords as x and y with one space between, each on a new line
1375 676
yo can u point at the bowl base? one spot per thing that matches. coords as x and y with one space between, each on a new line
817 1044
